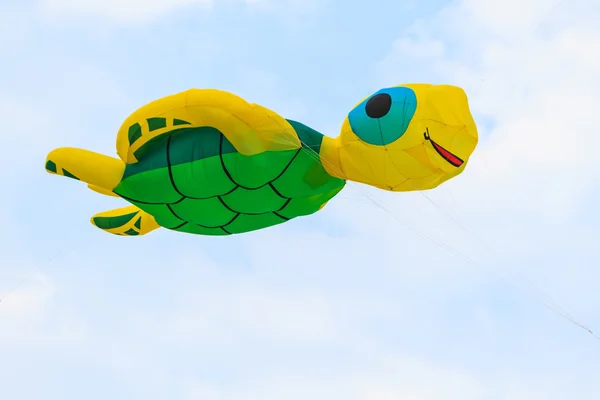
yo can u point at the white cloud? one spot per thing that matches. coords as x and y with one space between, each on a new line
118 10
389 378
290 9
142 11
31 319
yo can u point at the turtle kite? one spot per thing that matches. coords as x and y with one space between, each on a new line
207 162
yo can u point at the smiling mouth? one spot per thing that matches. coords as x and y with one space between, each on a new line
445 154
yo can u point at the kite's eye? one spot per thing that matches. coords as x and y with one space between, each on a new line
384 117
379 105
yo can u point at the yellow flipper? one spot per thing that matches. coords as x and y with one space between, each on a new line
102 173
126 221
103 191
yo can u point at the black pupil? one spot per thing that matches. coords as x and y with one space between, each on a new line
379 105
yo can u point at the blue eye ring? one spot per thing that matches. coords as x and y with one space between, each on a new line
384 117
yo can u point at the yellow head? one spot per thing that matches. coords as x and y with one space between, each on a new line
403 138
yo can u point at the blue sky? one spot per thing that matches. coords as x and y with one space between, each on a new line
348 303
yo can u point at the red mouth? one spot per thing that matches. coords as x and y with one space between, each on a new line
445 154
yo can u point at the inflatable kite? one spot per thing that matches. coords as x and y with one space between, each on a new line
207 162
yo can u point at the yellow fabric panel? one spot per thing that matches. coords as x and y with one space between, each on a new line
147 225
103 191
330 157
95 169
251 128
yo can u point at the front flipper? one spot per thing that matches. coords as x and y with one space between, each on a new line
103 191
126 221
100 172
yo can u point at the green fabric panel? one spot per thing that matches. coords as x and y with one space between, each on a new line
308 167
308 136
317 176
155 159
177 122
152 186
132 232
197 157
51 166
246 223
306 176
156 123
302 206
156 143
186 145
332 193
113 222
161 213
202 178
254 201
257 170
68 174
199 230
207 212
194 144
138 223
134 133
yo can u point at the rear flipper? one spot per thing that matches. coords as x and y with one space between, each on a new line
126 221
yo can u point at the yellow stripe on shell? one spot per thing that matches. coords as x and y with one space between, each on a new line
252 129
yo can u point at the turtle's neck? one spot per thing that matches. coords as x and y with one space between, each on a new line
346 161
330 157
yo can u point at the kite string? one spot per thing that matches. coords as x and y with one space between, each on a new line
553 305
492 251
28 277
550 302
381 205
554 5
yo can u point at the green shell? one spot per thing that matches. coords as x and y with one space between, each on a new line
193 180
